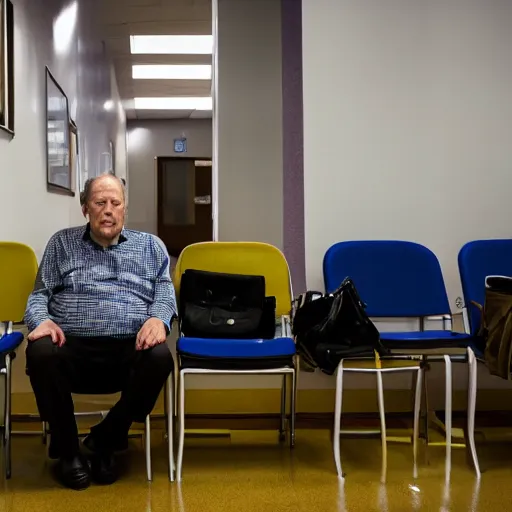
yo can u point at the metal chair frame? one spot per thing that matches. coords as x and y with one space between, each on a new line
287 372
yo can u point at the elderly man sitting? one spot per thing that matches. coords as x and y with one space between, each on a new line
98 316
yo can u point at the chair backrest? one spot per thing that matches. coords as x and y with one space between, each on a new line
246 258
477 260
394 278
18 269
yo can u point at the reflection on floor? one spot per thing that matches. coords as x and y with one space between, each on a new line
250 471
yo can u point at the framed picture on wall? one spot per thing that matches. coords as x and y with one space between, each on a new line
83 162
7 66
74 157
59 173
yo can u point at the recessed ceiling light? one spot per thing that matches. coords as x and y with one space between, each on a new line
172 71
173 103
181 45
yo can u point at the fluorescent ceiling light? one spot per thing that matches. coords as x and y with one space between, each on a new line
181 45
172 72
173 103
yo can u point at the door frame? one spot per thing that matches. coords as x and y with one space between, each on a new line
158 201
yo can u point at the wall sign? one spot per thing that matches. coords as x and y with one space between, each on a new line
180 145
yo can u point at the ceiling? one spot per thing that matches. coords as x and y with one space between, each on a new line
122 18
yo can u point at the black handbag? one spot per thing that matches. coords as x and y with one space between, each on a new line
219 305
331 327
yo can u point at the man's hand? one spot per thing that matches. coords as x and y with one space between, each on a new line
48 328
151 333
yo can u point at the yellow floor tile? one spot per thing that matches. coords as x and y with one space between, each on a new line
252 472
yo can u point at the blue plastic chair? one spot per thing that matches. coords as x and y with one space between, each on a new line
398 279
18 268
477 260
244 356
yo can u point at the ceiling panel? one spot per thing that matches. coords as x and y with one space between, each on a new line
121 18
163 114
125 11
162 88
159 27
201 114
128 59
159 90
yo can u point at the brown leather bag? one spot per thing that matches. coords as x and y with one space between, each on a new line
496 326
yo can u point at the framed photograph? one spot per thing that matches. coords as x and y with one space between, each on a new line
74 154
7 66
59 172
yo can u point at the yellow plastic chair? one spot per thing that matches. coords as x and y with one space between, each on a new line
18 269
240 357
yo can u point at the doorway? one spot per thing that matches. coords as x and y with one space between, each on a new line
184 202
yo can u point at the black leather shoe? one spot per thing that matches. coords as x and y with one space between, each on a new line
53 450
73 473
103 465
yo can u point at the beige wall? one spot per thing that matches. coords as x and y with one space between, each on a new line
48 34
407 123
150 139
249 110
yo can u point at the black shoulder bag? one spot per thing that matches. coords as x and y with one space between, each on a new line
218 305
331 327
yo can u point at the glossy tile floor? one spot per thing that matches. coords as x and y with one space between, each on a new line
250 471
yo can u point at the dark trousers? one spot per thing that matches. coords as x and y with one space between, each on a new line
95 366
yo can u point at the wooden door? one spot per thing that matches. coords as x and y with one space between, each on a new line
184 202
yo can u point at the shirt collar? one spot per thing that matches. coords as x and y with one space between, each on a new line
87 234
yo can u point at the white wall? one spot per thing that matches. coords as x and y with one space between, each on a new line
407 123
63 36
148 140
249 112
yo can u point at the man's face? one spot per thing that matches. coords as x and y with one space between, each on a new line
106 209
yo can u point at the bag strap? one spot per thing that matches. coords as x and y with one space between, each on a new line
508 356
478 305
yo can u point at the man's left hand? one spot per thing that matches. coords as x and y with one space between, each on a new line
151 333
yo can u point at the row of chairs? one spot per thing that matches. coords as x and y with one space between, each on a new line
18 268
395 279
404 280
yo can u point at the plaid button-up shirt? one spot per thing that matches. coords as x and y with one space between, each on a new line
89 290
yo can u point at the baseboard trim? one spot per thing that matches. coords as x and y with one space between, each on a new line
266 402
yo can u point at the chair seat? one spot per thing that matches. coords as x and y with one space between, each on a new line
235 348
442 341
9 342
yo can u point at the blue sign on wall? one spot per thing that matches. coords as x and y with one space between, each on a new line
180 145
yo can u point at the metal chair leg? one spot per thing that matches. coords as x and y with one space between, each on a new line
7 432
448 416
181 413
45 433
338 403
147 442
383 434
282 427
417 407
169 400
472 389
293 406
426 419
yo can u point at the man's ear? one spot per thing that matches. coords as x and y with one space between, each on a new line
85 211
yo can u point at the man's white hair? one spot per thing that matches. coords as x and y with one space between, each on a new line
85 195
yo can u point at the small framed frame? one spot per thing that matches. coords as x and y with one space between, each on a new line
7 66
59 172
